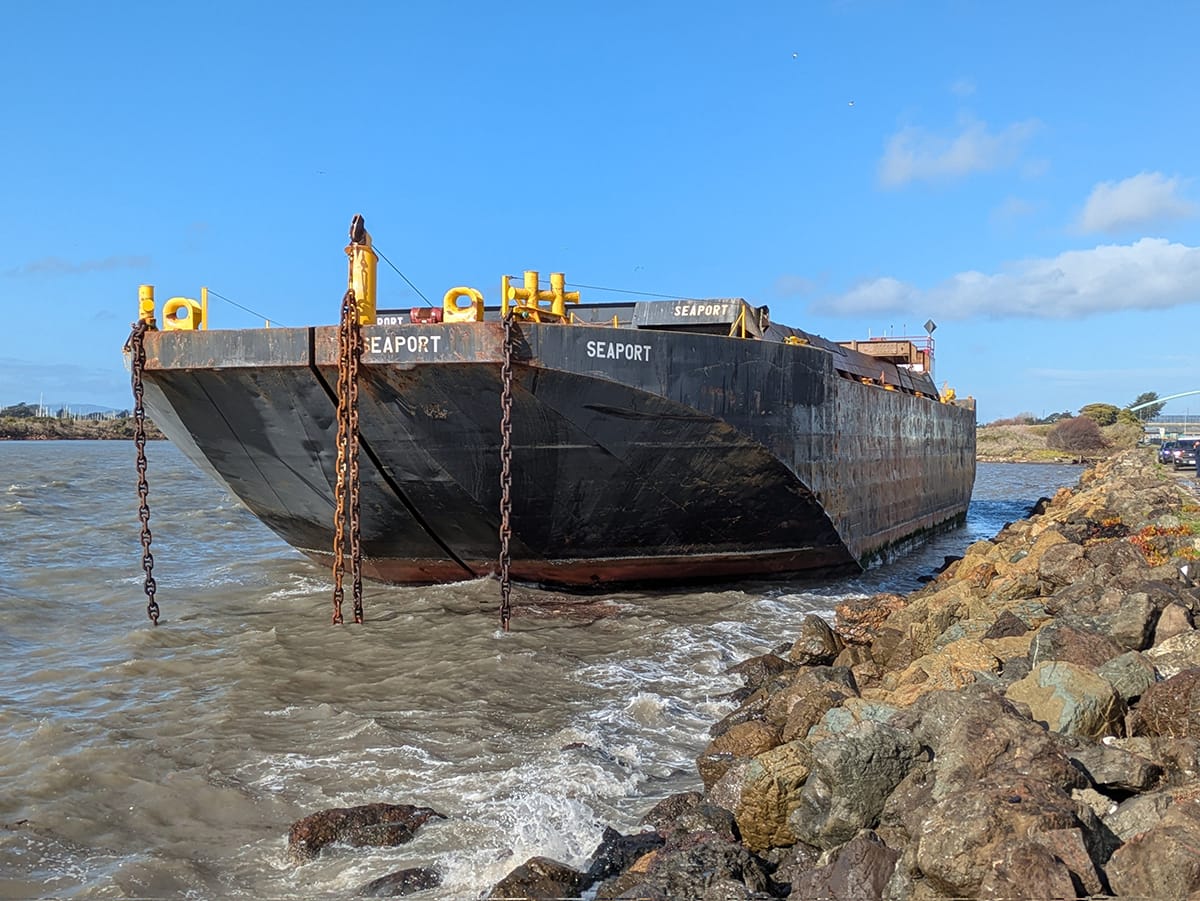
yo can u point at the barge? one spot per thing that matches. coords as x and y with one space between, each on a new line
660 441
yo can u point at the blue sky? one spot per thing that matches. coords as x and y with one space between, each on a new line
1025 174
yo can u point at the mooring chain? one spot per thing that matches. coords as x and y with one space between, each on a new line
506 471
137 347
346 468
354 354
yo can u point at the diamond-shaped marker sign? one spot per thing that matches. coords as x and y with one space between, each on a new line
930 325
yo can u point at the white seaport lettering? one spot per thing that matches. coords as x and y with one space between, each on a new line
611 350
413 344
701 309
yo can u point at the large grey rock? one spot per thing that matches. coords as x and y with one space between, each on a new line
1130 674
1115 770
1131 625
763 793
689 869
539 879
369 825
1138 814
852 776
857 871
1176 654
967 830
1175 619
817 644
1073 643
1026 869
617 852
1179 758
678 816
852 711
1063 564
905 809
1170 708
1070 699
974 731
758 671
401 883
811 693
1161 862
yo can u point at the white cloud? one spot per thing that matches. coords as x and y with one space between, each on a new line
914 154
962 87
1146 197
1012 208
1150 274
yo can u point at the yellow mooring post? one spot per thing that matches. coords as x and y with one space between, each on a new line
363 264
528 300
560 297
146 304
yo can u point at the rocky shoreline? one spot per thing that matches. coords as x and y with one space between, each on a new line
121 428
1027 725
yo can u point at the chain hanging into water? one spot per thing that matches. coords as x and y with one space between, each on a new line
137 348
346 468
506 471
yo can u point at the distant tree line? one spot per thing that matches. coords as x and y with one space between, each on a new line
1082 433
40 411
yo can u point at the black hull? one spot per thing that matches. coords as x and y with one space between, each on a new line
638 456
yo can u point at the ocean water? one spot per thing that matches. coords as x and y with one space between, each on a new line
169 762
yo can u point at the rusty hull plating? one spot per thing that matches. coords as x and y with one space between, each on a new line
640 454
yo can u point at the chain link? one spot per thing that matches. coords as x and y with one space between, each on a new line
354 354
346 467
137 347
506 472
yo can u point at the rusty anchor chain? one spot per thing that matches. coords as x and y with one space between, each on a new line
137 348
346 490
506 472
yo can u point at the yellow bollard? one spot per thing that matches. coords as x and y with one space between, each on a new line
146 304
363 265
191 319
559 296
452 312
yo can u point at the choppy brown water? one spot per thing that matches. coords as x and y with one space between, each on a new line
170 762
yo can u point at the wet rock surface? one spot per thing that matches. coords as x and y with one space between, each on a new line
374 825
401 883
1024 726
